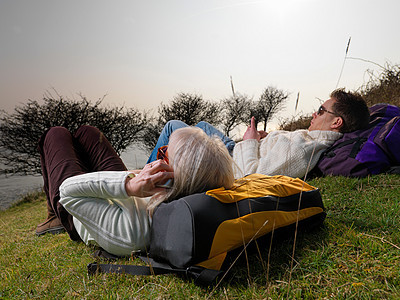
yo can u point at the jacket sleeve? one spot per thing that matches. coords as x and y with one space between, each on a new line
104 212
105 184
246 157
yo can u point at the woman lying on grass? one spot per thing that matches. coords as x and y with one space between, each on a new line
92 195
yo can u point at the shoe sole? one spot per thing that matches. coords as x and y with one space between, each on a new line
54 230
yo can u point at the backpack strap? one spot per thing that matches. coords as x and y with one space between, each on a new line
101 253
94 268
358 141
357 146
394 170
200 275
203 276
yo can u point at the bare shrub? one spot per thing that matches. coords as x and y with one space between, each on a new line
301 121
20 131
383 87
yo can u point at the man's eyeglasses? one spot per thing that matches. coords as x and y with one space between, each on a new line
162 153
322 109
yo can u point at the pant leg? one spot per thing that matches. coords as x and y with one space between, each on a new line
212 131
163 140
59 160
96 151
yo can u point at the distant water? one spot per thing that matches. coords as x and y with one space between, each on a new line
12 188
135 158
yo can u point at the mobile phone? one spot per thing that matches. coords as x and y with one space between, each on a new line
167 185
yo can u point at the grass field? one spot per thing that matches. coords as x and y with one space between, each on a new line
355 256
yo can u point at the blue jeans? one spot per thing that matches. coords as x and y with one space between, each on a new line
173 125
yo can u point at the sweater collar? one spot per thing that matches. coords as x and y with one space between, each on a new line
325 134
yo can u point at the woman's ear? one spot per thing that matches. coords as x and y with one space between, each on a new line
337 123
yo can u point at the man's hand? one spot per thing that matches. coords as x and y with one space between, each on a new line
144 184
251 132
262 133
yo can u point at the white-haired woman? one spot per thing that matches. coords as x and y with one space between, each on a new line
113 208
199 162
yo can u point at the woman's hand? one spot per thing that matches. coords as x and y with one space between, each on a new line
144 184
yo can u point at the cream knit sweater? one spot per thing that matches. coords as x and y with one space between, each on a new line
290 153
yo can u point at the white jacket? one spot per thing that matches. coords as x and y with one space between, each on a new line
103 212
290 153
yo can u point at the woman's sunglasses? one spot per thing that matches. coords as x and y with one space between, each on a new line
162 153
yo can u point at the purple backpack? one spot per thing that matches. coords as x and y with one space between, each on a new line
373 150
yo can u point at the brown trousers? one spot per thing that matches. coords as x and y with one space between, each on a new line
64 155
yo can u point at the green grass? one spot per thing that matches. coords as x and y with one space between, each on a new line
356 255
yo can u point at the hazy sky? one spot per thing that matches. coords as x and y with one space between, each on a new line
140 53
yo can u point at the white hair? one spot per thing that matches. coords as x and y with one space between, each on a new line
200 163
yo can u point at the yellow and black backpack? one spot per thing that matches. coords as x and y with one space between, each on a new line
194 234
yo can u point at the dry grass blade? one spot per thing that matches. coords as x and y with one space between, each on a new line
382 239
233 263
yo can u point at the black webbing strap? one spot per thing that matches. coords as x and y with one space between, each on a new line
358 141
200 275
101 253
357 146
394 170
204 276
94 268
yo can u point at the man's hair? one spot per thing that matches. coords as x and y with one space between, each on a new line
199 162
351 107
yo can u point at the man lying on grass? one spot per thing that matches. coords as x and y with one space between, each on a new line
290 153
